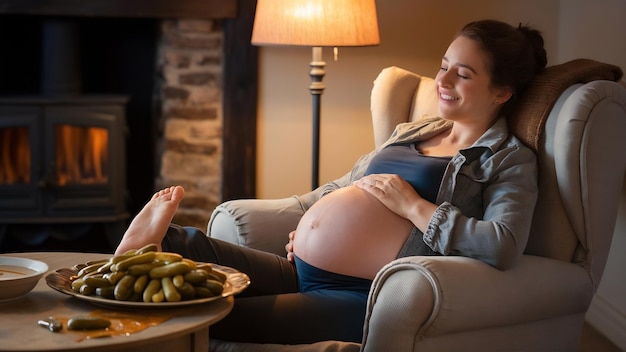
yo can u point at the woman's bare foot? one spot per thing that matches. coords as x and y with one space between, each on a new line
150 225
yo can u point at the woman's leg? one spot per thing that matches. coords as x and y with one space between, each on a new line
269 273
271 310
295 318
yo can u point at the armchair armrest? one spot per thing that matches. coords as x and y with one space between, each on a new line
262 224
414 299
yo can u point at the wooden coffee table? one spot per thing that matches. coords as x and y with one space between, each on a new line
186 330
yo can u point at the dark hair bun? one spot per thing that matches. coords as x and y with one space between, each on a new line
535 40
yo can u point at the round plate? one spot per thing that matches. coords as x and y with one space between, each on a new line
60 280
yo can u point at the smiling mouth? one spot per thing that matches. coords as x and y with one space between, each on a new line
447 97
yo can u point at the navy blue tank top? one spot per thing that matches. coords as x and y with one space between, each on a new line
423 172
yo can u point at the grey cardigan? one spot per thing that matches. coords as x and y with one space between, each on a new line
486 198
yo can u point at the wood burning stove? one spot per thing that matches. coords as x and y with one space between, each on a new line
62 160
62 152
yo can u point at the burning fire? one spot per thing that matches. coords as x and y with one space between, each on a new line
14 155
80 155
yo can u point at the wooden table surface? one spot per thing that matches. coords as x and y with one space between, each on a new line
186 330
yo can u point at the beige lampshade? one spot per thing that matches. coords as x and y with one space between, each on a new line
315 23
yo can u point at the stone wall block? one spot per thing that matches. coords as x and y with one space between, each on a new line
197 26
205 94
208 59
177 59
206 131
210 187
180 146
195 131
193 41
198 79
178 165
193 112
171 93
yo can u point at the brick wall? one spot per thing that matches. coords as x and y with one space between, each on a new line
190 63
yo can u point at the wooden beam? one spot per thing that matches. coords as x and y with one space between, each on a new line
240 105
201 9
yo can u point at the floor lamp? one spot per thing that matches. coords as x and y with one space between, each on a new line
316 23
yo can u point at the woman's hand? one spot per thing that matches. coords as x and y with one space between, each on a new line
392 190
399 196
289 246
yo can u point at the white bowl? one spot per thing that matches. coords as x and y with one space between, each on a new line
18 276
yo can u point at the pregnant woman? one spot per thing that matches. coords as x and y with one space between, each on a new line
456 184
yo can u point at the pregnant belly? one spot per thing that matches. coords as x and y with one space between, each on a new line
350 232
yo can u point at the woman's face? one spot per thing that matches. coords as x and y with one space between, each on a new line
464 84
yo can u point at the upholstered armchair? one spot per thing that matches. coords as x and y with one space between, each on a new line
574 117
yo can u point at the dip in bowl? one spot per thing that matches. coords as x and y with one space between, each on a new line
18 276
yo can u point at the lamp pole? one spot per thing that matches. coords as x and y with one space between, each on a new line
316 88
316 23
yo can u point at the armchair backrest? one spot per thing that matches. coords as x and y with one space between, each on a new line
400 96
574 117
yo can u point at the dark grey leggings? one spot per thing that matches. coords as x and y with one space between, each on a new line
271 310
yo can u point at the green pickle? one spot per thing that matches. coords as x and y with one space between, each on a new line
169 290
83 322
141 283
147 248
106 292
169 270
152 288
124 287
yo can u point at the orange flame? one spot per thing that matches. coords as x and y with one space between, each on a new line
14 155
80 155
